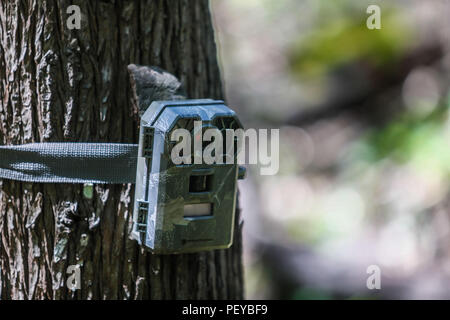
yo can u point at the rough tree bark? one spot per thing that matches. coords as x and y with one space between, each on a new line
61 85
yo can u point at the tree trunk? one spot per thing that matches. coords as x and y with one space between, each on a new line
61 85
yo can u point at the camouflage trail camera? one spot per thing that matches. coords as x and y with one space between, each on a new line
186 207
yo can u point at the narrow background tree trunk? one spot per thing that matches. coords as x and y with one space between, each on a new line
60 85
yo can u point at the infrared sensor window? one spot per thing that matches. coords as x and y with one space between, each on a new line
200 183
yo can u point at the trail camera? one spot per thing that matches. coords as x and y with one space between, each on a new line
183 207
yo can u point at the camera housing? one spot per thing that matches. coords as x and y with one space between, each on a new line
186 207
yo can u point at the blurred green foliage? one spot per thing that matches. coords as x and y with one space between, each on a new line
344 37
421 140
365 189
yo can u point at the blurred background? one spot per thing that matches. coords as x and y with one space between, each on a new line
364 125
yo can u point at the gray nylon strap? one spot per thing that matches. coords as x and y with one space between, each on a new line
70 162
